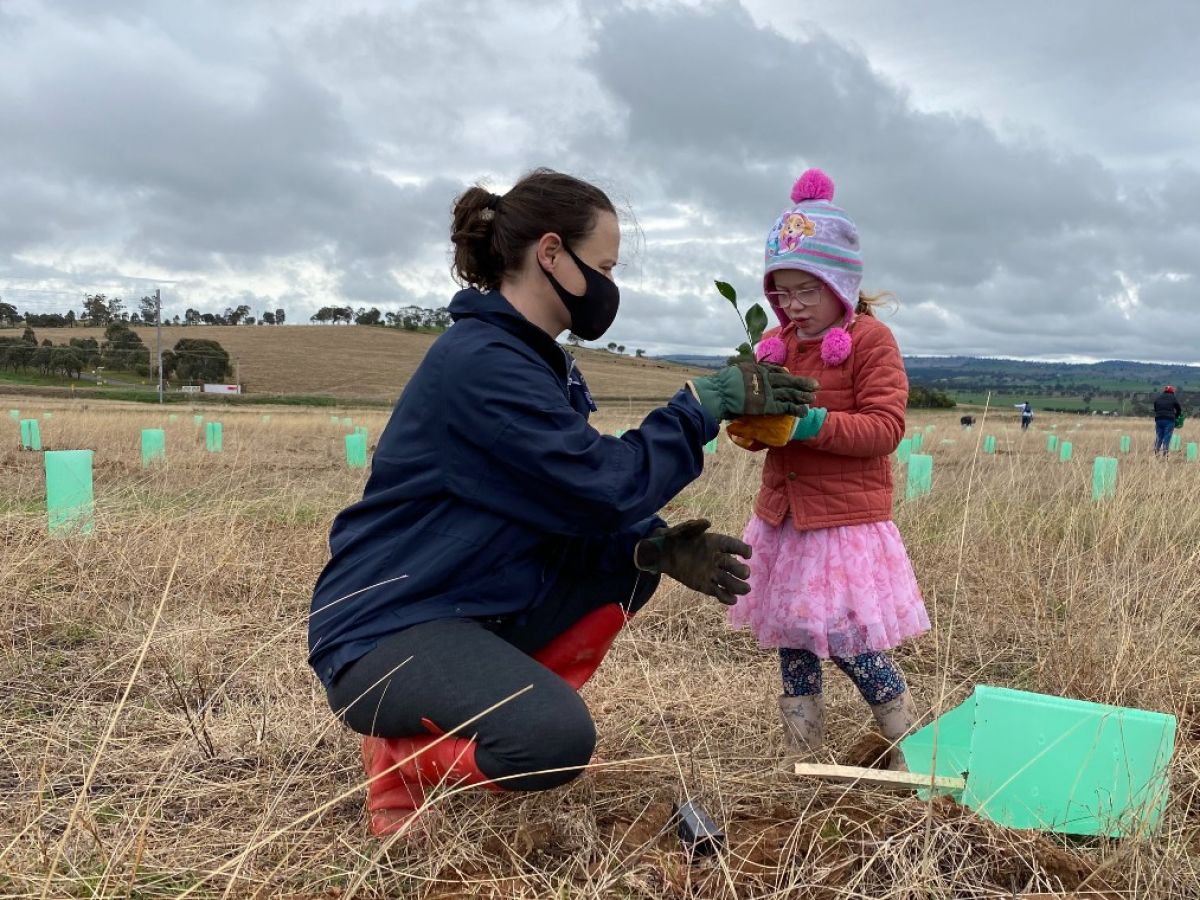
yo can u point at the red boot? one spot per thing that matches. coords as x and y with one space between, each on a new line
576 653
398 769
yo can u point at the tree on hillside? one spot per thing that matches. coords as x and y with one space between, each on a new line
198 360
88 350
573 339
612 346
95 310
370 316
620 348
8 315
639 353
148 307
267 318
123 349
28 336
280 317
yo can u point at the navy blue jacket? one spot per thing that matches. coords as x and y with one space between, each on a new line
486 470
1166 406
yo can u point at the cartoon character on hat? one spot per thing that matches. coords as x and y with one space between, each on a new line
820 239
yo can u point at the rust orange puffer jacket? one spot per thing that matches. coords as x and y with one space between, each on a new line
843 476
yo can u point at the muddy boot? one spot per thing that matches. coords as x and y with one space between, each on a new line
896 719
803 724
400 768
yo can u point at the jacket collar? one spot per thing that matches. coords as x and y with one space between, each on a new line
493 308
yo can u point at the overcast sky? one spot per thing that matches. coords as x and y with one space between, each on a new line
1025 176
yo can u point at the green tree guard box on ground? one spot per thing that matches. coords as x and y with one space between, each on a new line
173 417
1051 763
48 415
214 438
362 429
989 444
267 418
1064 452
31 435
356 451
334 420
348 422
1175 443
1104 477
1191 451
197 421
14 414
154 445
711 446
70 503
920 476
904 450
1052 442
1124 443
917 440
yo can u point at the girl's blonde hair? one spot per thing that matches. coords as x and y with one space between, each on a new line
867 303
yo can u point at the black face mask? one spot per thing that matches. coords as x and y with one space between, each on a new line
594 310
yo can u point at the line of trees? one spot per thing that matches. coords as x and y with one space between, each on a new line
410 318
100 310
191 360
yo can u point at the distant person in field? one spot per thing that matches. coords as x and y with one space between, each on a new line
830 577
1167 411
502 542
1026 415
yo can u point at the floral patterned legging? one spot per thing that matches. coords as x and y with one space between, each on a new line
874 674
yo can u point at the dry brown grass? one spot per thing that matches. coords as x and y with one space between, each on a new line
163 737
354 362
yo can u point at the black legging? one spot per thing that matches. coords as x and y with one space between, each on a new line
450 670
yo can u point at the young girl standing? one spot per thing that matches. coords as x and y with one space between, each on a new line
830 578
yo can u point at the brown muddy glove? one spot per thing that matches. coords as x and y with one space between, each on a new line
704 562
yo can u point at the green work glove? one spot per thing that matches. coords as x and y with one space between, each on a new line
704 562
752 389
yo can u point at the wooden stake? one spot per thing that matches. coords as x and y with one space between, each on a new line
879 777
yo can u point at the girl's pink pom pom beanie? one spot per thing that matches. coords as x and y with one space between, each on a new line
817 237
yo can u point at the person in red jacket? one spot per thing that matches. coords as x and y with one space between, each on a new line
830 577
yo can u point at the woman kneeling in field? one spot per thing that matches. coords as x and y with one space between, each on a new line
502 542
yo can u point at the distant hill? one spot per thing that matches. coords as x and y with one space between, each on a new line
362 362
1117 385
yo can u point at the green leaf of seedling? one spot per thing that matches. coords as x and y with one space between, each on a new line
727 292
756 322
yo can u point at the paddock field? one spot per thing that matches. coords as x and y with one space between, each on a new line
162 736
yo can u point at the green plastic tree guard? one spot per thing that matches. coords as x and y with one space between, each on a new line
362 429
173 417
1124 443
1064 452
334 420
1176 443
31 435
1191 451
14 414
197 421
348 422
1052 442
47 415
917 440
356 451
1051 763
70 504
267 418
214 438
711 446
154 445
989 444
920 476
904 450
1104 477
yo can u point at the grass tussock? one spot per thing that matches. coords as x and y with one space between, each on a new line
163 738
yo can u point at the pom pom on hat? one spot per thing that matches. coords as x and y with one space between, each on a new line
835 346
812 185
772 350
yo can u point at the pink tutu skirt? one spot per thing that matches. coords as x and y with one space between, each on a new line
834 591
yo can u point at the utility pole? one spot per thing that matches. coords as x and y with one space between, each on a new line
158 336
